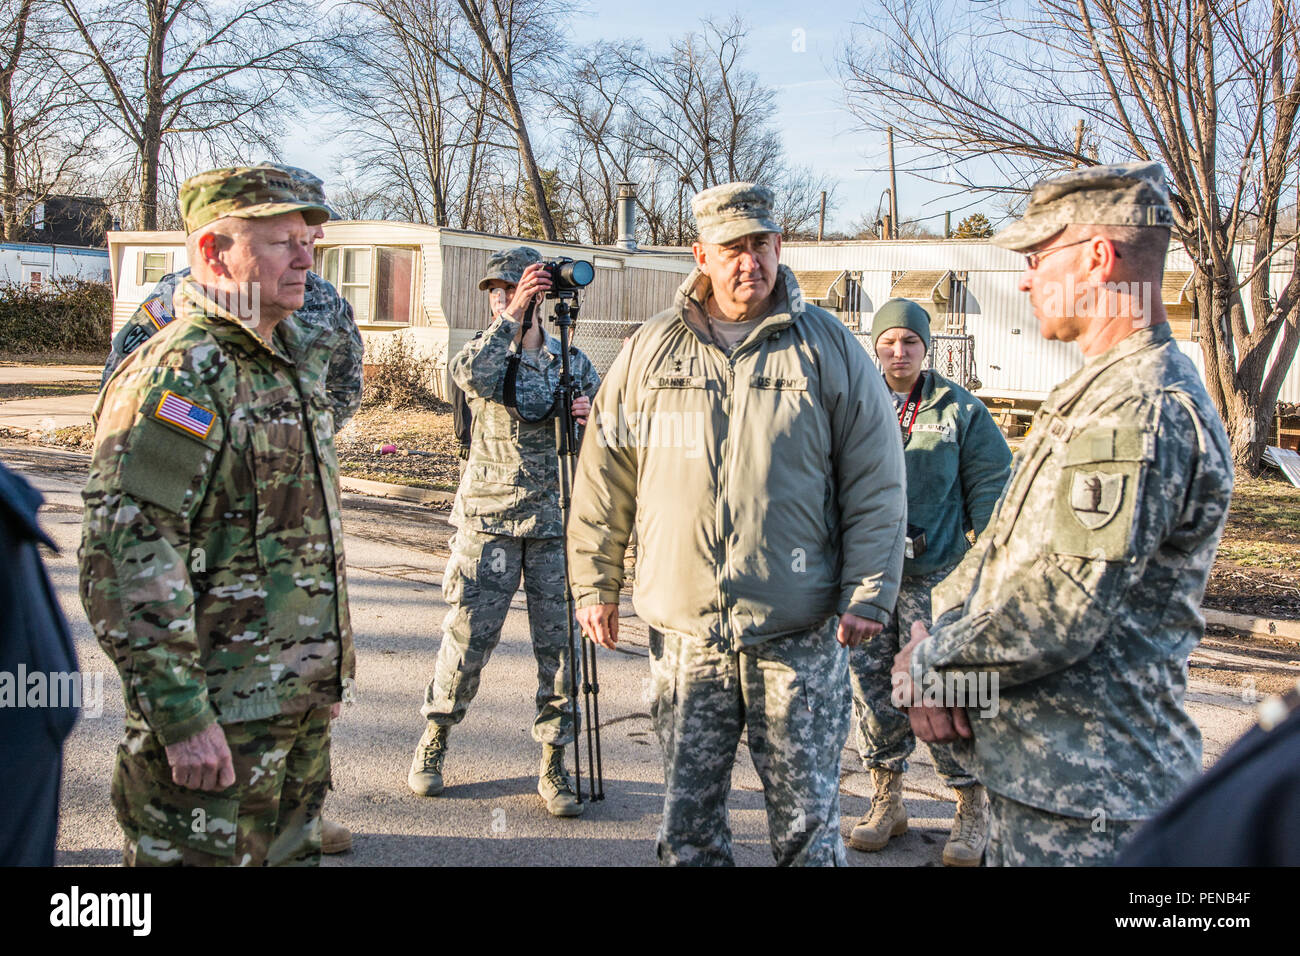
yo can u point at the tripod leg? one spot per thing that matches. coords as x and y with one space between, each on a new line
588 657
593 719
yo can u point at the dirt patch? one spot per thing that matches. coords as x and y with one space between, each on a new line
1258 567
19 391
78 437
426 437
54 357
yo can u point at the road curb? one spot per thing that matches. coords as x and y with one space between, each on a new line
382 489
1263 626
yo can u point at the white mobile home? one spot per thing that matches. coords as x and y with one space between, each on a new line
34 264
970 288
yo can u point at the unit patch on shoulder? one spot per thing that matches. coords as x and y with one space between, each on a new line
1095 497
184 414
157 314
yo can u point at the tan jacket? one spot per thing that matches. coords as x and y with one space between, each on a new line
766 488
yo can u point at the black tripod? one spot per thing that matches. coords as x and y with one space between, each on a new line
566 313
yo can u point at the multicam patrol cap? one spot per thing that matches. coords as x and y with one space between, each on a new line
727 212
311 188
1124 194
249 192
508 265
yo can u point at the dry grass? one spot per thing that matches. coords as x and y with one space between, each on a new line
411 429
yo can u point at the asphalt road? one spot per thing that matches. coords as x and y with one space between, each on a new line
489 814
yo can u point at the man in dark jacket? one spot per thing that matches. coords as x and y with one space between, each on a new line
38 667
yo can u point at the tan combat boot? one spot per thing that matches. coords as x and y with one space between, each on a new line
554 786
970 828
425 777
334 837
886 818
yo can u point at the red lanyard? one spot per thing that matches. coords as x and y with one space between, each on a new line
907 416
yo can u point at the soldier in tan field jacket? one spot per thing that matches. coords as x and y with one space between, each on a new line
747 436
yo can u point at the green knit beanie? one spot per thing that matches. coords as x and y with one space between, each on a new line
901 314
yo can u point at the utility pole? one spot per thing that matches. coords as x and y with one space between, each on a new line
821 218
1078 141
947 224
893 184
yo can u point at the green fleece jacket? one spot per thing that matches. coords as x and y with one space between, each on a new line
957 465
766 487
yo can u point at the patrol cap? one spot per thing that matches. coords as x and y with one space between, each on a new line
508 265
727 212
311 188
901 314
1124 194
248 192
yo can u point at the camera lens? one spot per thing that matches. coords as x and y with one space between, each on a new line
569 274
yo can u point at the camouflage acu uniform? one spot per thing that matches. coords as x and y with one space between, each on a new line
1021 835
212 573
507 515
884 733
322 308
791 695
1084 595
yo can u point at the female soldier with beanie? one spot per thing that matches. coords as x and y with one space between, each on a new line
957 462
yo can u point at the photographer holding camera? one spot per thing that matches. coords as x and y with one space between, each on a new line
957 463
508 521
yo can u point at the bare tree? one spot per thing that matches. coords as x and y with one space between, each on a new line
675 122
592 149
419 129
188 75
518 40
42 139
701 113
1211 88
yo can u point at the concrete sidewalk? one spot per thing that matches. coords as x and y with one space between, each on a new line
38 415
28 374
35 416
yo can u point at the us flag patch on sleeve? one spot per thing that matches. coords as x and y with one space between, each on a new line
183 413
156 312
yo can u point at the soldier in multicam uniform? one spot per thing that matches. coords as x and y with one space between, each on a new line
1083 594
322 306
769 542
508 521
957 464
211 560
340 342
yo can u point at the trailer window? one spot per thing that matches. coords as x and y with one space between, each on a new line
377 280
153 266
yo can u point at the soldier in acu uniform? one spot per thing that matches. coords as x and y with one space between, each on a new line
211 560
322 307
508 521
1083 594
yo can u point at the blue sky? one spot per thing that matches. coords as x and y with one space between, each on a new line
817 127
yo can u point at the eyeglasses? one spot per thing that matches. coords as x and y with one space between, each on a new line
1034 258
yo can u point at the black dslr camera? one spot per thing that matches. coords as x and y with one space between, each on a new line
568 276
